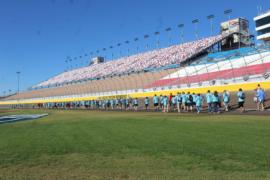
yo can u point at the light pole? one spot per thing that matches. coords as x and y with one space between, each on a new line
119 46
18 81
210 18
127 42
157 34
111 47
168 30
195 22
181 27
228 13
146 37
137 46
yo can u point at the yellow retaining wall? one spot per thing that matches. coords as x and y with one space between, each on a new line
202 90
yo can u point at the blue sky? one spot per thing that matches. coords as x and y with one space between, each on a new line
36 36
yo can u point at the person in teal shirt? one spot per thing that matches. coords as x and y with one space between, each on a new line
165 104
112 103
184 101
215 101
241 100
135 104
146 103
174 102
208 98
179 102
161 102
226 99
189 101
155 102
199 102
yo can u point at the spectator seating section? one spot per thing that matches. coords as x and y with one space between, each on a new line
139 62
244 66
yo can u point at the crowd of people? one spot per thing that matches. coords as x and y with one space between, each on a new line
151 59
212 102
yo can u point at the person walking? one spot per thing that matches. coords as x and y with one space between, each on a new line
146 103
215 101
199 102
241 100
226 100
208 98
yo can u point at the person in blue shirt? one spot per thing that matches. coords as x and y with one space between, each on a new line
189 101
184 101
179 102
112 102
241 97
127 104
261 99
161 102
193 100
215 101
208 98
155 102
198 102
146 103
226 99
135 104
165 104
174 102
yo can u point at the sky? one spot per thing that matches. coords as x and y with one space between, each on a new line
37 36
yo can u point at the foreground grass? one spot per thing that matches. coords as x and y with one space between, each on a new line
113 145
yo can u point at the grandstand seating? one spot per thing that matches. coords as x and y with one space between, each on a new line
152 59
109 84
245 66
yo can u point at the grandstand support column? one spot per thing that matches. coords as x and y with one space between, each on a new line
261 58
115 84
100 87
104 85
207 70
144 80
107 85
94 87
121 83
197 74
136 81
178 78
169 73
151 79
187 76
246 65
231 64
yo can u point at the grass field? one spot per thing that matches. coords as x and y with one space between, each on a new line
117 145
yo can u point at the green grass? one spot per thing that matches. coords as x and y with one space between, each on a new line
114 145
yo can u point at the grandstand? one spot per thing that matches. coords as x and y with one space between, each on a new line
192 66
